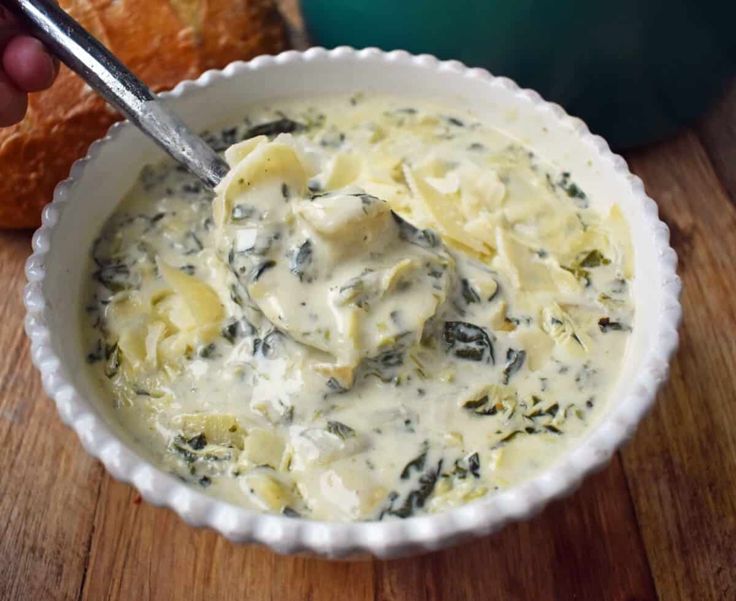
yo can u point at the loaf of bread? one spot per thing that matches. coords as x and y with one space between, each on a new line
162 42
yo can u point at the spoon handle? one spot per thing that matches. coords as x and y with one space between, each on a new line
94 63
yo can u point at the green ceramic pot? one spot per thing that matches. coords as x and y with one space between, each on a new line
634 70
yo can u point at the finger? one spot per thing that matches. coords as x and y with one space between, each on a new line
13 102
9 27
27 64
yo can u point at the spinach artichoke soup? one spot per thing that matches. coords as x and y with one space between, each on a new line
389 308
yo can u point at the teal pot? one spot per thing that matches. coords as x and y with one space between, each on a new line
635 71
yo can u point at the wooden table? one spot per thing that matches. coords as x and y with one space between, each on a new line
658 523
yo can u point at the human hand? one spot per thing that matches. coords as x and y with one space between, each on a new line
25 66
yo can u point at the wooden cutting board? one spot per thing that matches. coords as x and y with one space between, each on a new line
658 523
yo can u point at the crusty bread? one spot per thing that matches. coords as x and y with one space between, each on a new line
161 41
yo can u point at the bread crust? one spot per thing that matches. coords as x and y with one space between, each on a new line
162 42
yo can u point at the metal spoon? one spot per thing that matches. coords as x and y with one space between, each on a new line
84 54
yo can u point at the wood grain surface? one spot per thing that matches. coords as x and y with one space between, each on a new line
658 523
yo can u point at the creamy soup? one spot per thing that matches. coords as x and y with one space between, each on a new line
389 308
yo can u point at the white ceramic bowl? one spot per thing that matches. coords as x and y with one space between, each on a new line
81 204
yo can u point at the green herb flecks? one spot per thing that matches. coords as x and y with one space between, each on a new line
198 442
470 294
339 429
581 275
115 276
514 362
416 464
335 386
413 235
266 346
235 295
230 332
468 341
417 498
465 466
606 325
274 128
593 258
474 465
261 269
572 189
208 351
301 260
97 353
481 406
112 355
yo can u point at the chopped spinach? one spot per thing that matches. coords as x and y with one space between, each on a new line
287 416
208 351
514 361
193 187
390 358
96 354
572 189
198 442
301 259
466 465
606 325
339 429
594 258
191 243
266 345
114 276
469 293
413 235
228 136
112 354
581 274
274 128
509 437
235 295
538 412
334 385
261 269
474 465
483 406
416 464
186 448
417 497
230 332
468 341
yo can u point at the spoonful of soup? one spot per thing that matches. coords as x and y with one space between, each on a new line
335 270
